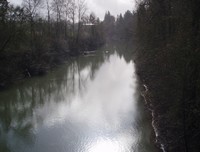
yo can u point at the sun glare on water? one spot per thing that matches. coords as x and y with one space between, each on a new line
103 145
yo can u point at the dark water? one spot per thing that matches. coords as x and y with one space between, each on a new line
88 105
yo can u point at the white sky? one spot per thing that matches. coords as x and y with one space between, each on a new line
99 7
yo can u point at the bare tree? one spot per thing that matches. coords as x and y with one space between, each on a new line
72 15
66 13
82 8
48 14
31 8
57 6
48 11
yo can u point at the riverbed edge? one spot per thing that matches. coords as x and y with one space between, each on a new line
148 103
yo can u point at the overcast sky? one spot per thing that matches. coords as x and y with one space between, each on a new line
99 7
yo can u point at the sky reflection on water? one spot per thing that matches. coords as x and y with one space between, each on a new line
89 105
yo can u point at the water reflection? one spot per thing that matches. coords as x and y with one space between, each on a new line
87 105
105 145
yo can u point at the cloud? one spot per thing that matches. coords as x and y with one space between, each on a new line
99 7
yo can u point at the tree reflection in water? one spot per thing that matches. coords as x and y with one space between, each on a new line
18 105
85 105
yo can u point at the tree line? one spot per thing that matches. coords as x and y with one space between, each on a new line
38 24
168 61
40 33
121 28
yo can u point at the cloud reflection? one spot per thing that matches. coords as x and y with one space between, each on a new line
84 107
107 101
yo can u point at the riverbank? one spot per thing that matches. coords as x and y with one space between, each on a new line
167 61
153 107
144 91
145 94
174 117
160 91
17 66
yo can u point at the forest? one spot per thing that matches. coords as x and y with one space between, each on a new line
40 34
168 62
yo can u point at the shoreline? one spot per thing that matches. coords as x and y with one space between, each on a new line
22 66
21 73
33 70
150 108
157 100
144 92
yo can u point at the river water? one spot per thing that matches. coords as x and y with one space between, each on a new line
90 104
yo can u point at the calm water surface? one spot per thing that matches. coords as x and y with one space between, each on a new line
88 105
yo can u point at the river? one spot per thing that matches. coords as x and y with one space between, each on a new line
90 104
